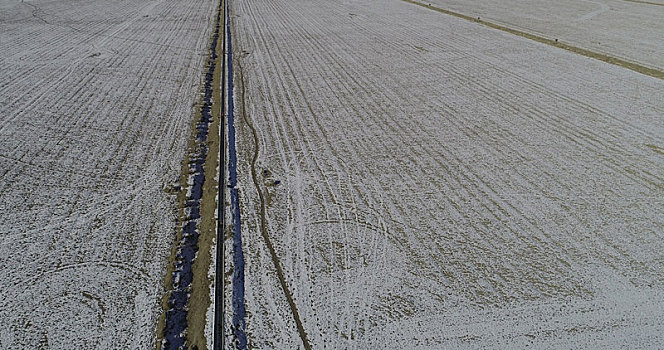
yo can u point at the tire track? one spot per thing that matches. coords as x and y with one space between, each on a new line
263 220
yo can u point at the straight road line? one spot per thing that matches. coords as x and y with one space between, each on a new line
219 283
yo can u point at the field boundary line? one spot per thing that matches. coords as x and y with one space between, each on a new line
645 2
552 42
263 221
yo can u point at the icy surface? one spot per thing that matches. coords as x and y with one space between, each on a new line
444 184
95 110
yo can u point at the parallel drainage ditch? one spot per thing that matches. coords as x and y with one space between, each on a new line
175 330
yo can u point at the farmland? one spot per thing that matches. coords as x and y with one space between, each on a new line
413 179
444 174
96 109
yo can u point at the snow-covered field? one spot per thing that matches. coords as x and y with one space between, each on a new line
96 106
632 30
444 184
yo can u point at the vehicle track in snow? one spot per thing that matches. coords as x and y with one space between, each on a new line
263 223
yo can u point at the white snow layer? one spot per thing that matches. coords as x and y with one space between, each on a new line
444 184
629 29
95 111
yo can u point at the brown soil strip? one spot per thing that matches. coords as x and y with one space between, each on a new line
180 201
200 299
552 42
263 222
